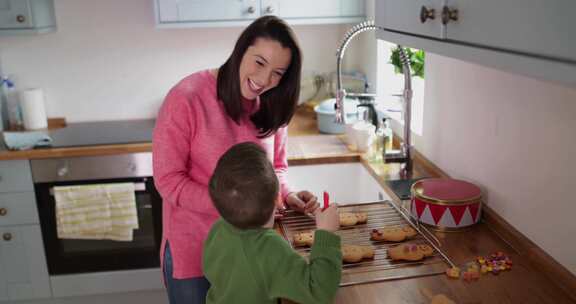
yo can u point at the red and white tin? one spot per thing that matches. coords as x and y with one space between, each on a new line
446 204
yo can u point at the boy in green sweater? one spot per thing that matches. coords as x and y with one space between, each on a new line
244 259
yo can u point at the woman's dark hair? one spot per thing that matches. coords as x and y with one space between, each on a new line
278 104
244 186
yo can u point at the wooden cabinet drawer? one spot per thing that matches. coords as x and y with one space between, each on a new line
15 176
18 208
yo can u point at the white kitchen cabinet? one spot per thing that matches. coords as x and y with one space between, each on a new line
531 26
27 16
23 272
403 16
317 11
183 11
527 36
200 13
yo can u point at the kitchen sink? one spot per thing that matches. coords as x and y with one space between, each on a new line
347 183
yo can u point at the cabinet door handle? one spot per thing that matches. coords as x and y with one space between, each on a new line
250 10
3 211
20 18
7 236
269 10
449 14
427 13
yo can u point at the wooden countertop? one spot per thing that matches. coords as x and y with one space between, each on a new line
535 277
306 144
527 282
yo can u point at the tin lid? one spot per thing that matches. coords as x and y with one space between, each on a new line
446 190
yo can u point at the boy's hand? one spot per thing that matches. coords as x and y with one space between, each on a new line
328 219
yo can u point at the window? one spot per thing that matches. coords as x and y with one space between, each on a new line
390 86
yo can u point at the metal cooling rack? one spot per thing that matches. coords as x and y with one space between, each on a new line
381 268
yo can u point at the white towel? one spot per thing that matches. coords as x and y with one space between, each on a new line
103 211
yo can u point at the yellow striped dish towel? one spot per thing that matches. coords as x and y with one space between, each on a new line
101 211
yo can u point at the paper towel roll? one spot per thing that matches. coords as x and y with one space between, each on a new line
33 109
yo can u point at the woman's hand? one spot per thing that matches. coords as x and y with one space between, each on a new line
303 201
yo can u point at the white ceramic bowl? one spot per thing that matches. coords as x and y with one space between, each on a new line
326 114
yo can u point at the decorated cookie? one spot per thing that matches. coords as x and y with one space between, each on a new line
304 238
409 252
392 234
356 253
427 250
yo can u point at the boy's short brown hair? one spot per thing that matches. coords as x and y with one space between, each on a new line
244 186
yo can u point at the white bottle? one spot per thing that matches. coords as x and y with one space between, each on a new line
380 140
388 136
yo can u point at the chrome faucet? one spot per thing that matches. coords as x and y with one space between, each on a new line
404 155
340 92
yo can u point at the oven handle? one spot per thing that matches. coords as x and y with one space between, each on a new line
137 187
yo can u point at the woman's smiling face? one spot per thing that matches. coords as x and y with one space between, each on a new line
262 67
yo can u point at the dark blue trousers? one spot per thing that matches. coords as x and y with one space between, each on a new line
183 291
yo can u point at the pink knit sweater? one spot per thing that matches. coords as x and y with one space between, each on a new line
192 132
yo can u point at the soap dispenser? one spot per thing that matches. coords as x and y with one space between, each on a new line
383 139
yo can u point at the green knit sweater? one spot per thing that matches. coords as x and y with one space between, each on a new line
258 266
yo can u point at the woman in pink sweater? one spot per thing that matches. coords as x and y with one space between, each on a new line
251 97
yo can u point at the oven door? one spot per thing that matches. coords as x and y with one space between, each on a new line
67 256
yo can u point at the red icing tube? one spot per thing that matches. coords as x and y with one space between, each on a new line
326 200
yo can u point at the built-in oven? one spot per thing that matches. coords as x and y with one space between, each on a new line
74 256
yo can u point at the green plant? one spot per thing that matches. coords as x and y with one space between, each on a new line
416 61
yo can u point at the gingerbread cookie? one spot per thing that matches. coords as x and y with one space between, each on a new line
348 219
304 238
352 218
392 234
441 299
426 249
362 217
356 253
410 252
367 252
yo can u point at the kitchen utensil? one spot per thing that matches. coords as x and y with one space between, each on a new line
445 203
325 115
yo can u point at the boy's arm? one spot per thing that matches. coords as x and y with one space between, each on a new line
287 275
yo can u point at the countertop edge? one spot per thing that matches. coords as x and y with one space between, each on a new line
76 151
